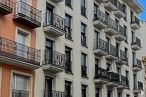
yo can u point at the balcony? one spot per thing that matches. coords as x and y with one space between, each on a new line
57 1
54 24
112 28
20 93
53 93
84 41
113 55
120 13
54 62
17 54
121 35
26 14
138 87
101 76
100 20
122 58
137 65
84 71
124 83
135 23
111 5
6 7
136 44
101 47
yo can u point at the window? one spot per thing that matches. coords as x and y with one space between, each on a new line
95 10
83 65
125 29
119 70
96 38
135 81
68 34
125 11
20 86
126 54
68 89
83 35
109 67
117 49
127 76
127 95
21 37
134 57
68 3
98 91
109 93
84 90
83 8
119 94
68 65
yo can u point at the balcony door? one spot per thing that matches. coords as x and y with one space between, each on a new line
135 81
49 14
48 87
96 39
49 51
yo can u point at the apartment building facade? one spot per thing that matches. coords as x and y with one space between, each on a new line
18 54
71 48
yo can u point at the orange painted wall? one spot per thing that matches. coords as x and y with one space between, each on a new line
8 30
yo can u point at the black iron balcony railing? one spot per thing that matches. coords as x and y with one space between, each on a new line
20 93
27 14
53 93
6 7
54 59
68 66
101 73
134 19
113 51
14 50
123 56
99 15
137 63
122 31
114 2
114 77
121 7
112 24
138 85
102 45
137 42
84 41
84 70
124 81
52 19
68 33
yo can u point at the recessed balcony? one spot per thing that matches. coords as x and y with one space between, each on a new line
122 58
6 7
138 87
121 35
137 65
101 76
112 55
135 23
27 15
111 5
101 47
120 12
54 25
100 20
19 55
112 28
57 1
124 83
54 62
136 44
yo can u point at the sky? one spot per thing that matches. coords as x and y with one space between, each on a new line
143 15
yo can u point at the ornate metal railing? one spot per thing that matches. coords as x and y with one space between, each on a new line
68 33
114 2
122 31
55 59
137 41
15 50
135 20
112 24
113 51
20 93
52 19
137 63
121 7
124 81
53 93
